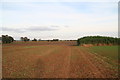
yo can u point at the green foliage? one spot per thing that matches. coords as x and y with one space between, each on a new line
24 39
7 39
55 40
34 39
98 40
107 51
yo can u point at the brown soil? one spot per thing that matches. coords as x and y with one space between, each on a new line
53 61
90 45
87 45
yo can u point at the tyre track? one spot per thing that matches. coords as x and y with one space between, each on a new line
70 62
85 66
89 68
56 65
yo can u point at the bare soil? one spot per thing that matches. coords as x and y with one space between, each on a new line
53 60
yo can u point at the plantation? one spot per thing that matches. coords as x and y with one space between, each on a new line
96 40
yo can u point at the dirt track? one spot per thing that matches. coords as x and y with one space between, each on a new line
71 62
57 61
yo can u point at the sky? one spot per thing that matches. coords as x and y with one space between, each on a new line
55 19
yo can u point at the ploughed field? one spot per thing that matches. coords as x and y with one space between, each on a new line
60 59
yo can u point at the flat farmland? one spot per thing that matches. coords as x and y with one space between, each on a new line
60 59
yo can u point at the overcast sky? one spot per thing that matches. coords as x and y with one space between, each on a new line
59 19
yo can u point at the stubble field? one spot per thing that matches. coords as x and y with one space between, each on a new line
62 59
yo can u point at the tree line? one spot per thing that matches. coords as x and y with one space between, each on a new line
98 40
84 40
27 39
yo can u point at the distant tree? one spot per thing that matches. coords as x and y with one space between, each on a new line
34 39
39 40
28 39
7 39
1 38
48 40
119 41
11 39
55 40
24 39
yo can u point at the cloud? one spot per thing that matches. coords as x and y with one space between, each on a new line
13 30
41 29
57 13
68 18
54 26
33 28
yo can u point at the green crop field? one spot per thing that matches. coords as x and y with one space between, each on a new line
110 52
